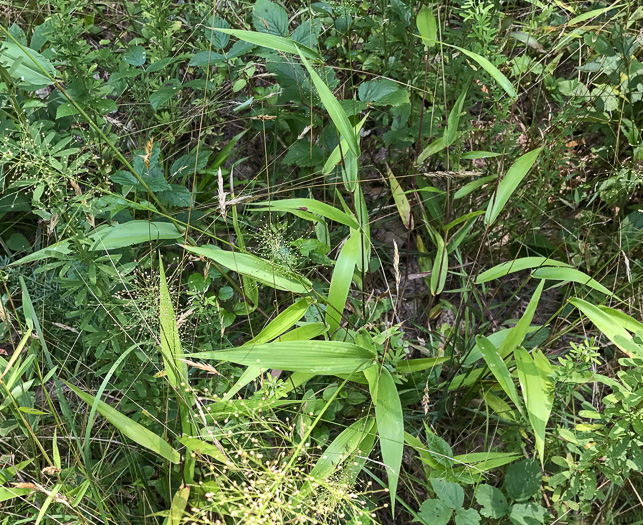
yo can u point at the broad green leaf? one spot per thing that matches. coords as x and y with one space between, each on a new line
134 232
523 479
493 501
130 428
179 502
135 56
525 263
342 148
202 447
276 43
24 65
498 368
427 26
171 351
316 357
538 393
509 183
390 425
334 109
435 512
530 513
341 281
517 334
448 492
607 325
502 80
309 205
570 274
401 201
270 17
252 266
467 517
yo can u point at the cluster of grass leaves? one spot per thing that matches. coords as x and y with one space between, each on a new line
335 263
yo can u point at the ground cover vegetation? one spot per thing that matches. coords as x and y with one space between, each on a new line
334 262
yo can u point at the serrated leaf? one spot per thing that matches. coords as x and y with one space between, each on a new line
135 56
493 501
271 18
523 479
448 492
435 512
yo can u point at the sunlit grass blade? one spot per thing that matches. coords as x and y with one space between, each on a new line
274 42
309 205
130 428
440 266
341 281
401 201
606 323
427 26
342 148
518 333
502 80
334 109
538 393
622 319
171 351
134 232
252 266
283 322
341 448
179 502
317 357
509 183
202 447
517 265
390 424
498 368
408 366
570 274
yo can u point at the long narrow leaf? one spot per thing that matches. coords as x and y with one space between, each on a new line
334 108
310 205
538 392
570 274
502 80
518 333
390 425
498 368
317 357
130 428
607 325
171 350
274 42
525 263
509 183
263 271
341 281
